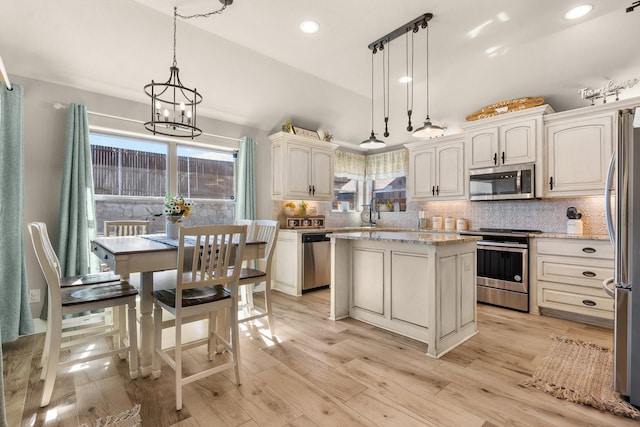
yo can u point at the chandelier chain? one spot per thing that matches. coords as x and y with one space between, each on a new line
197 15
203 15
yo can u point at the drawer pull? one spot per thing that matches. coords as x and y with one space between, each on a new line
589 302
589 274
589 250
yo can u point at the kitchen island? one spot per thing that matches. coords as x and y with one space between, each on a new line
419 285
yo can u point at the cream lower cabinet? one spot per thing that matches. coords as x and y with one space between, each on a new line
286 265
568 278
578 149
436 169
425 292
301 168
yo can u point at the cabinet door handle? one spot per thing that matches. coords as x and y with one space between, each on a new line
503 157
588 250
433 190
437 190
313 191
495 159
589 274
589 302
551 183
309 190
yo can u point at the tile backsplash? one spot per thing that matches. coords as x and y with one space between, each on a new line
548 215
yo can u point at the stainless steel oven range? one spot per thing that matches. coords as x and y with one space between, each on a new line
503 267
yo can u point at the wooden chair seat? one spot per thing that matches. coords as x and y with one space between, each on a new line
100 292
89 279
191 297
251 273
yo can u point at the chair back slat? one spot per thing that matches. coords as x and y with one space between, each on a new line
126 228
267 231
47 258
250 223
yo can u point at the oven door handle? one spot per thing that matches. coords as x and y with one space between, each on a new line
498 246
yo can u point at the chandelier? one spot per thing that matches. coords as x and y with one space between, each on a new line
173 105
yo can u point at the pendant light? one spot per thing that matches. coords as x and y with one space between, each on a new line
428 130
372 142
173 105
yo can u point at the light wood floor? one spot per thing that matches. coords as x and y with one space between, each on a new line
320 372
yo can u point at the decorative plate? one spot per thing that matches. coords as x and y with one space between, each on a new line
503 107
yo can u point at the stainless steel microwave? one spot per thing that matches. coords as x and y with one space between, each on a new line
503 183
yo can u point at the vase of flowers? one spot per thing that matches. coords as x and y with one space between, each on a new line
289 208
302 208
175 209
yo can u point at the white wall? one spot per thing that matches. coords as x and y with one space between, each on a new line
44 136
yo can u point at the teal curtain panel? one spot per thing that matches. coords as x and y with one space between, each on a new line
246 194
77 215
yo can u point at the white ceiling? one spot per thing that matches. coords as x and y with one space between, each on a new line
254 67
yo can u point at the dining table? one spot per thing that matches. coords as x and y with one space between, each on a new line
148 254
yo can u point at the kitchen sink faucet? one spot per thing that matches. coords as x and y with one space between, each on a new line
372 210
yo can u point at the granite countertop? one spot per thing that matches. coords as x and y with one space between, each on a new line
412 237
571 236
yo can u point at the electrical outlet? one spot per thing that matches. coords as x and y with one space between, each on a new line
34 295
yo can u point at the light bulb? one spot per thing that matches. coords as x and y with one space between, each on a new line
182 106
166 113
158 106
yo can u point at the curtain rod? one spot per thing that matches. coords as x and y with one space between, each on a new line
61 106
4 75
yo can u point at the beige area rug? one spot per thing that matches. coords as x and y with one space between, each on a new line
580 372
130 418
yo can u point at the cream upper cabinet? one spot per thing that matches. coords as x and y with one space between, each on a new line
578 150
436 169
301 168
505 140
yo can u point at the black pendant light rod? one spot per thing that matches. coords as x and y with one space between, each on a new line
414 25
410 82
385 89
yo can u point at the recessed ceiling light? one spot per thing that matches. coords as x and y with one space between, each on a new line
405 79
309 27
578 12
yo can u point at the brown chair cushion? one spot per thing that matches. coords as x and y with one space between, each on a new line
101 292
251 273
89 279
195 296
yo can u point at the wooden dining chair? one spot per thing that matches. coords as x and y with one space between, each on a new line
209 260
264 231
80 294
126 228
250 223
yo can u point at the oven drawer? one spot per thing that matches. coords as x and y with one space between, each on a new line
576 271
591 249
575 299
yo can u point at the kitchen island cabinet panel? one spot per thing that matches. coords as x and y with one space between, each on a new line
368 280
408 293
428 284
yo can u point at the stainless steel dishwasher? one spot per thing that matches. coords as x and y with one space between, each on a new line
316 261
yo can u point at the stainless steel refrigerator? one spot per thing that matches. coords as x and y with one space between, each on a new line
623 222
